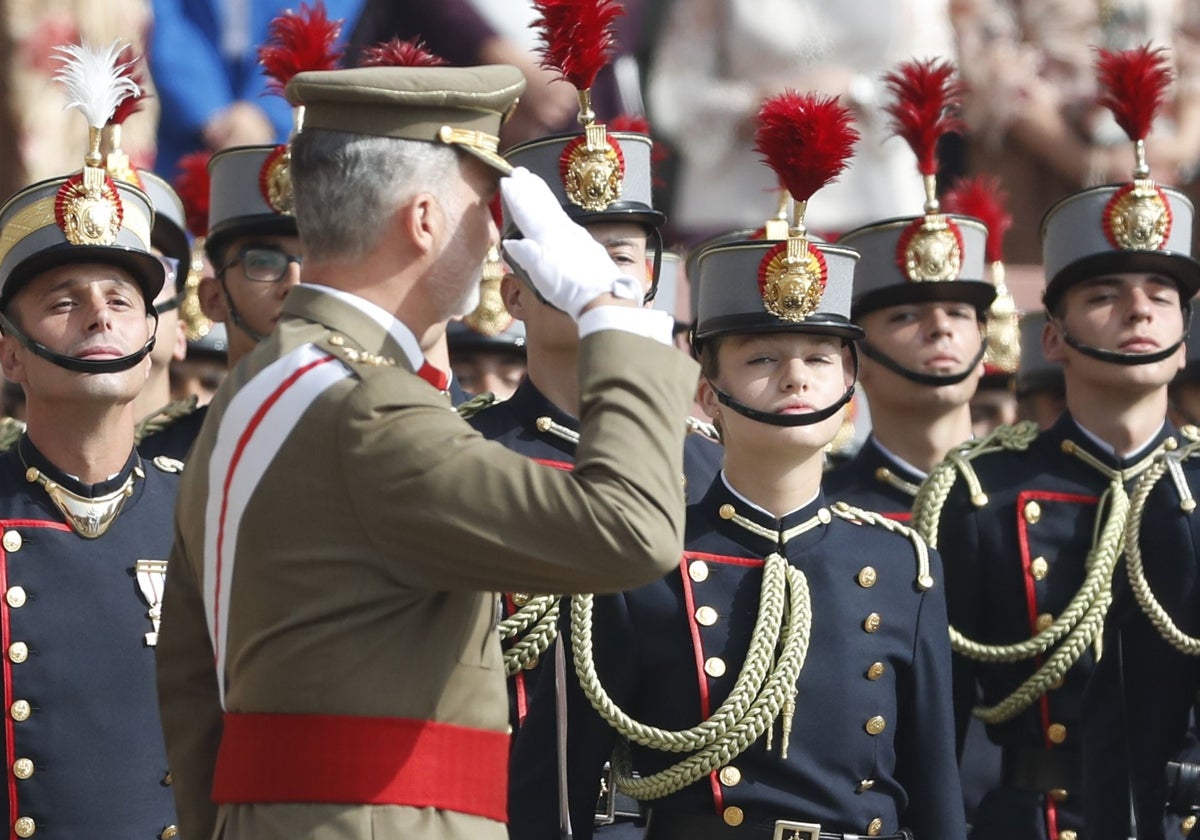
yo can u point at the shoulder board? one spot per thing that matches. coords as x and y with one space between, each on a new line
343 348
164 417
478 403
11 430
859 516
167 465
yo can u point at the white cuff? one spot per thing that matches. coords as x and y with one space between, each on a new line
648 323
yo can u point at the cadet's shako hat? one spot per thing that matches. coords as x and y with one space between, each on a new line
248 196
463 338
1036 372
670 274
753 283
214 344
1138 226
597 175
459 106
936 256
489 326
88 216
169 232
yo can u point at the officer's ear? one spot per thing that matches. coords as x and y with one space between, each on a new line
422 221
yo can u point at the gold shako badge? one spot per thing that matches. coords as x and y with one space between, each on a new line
275 181
791 279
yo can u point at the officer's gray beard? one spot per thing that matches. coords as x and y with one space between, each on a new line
474 295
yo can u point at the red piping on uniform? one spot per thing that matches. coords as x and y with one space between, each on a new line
243 441
689 602
558 465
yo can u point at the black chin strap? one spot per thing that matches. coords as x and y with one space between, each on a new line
1129 359
790 420
933 379
80 365
236 317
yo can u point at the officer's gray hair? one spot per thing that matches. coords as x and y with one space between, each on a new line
346 185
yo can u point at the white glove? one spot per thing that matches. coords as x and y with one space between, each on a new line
566 265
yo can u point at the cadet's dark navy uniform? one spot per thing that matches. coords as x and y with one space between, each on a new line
83 742
875 479
871 747
1012 566
515 423
1139 701
176 438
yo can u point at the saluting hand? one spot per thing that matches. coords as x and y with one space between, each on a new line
569 268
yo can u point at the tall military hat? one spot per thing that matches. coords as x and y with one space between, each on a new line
87 217
934 256
767 285
1036 373
600 174
670 275
1138 226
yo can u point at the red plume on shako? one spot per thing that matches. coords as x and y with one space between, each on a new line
297 42
807 139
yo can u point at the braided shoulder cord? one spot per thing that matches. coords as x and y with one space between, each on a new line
481 402
860 516
163 417
763 688
538 621
1154 610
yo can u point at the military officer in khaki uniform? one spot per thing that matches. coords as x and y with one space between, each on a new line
330 663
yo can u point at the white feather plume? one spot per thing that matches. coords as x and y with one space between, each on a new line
95 81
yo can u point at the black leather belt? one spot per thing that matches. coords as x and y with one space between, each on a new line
1041 771
668 826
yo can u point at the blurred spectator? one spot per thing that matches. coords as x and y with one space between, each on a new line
12 174
717 59
204 58
1032 106
49 141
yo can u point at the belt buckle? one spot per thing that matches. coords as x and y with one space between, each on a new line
789 830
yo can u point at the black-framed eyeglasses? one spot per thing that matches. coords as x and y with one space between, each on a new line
263 263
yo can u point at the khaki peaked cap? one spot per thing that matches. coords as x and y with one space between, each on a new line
462 106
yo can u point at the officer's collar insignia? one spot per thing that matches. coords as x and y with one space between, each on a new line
577 41
925 101
930 249
275 181
791 279
88 208
1138 217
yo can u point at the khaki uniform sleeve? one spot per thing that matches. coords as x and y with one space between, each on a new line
458 512
188 697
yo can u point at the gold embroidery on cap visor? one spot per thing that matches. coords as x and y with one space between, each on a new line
275 181
1138 217
88 208
930 250
791 279
592 167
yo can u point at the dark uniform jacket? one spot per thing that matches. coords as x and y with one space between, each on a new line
874 479
515 423
176 438
872 740
83 745
1012 566
1140 698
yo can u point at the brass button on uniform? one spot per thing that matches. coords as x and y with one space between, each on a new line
15 597
698 571
1032 512
12 541
714 666
169 833
871 623
864 786
733 815
730 776
20 710
824 516
1043 622
1039 568
875 725
1187 825
706 615
167 778
874 827
875 671
23 768
24 827
1059 794
18 652
727 512
1056 732
1067 835
520 599
867 577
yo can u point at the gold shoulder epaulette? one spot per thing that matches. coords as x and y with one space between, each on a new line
164 417
478 403
861 516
